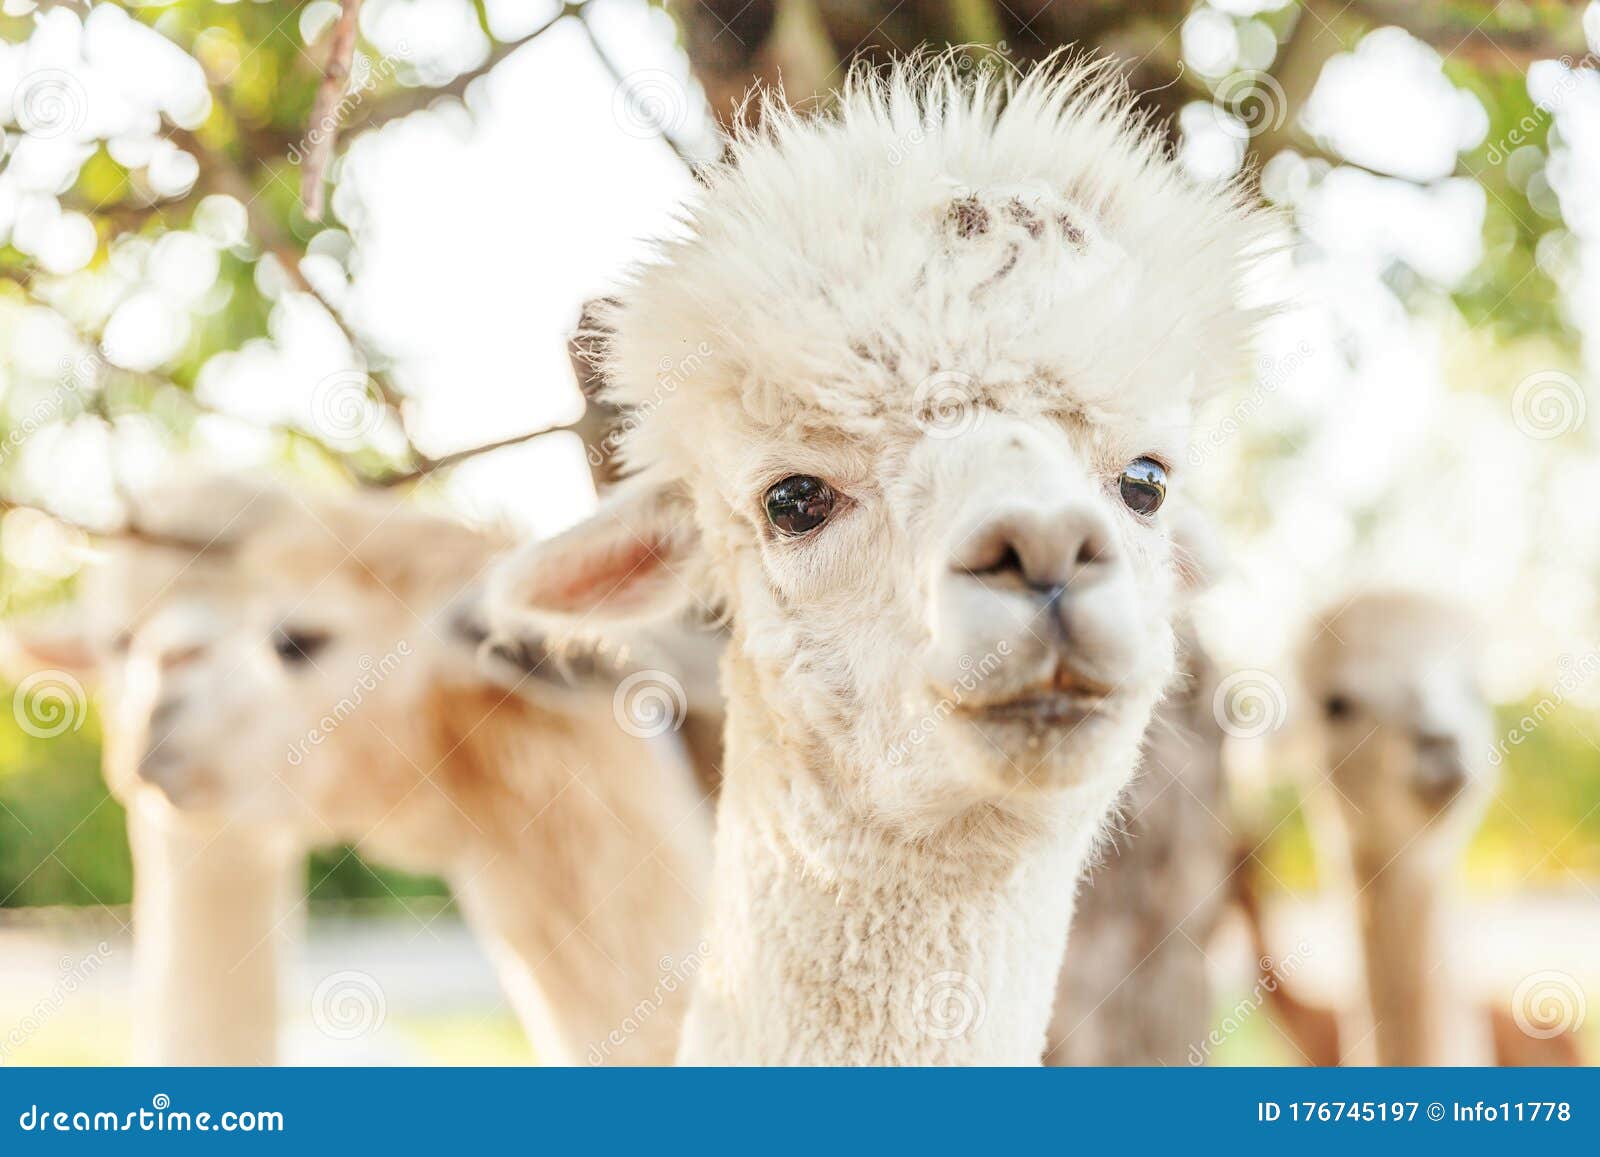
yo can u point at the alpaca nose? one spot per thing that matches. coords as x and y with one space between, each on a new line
1441 773
1049 551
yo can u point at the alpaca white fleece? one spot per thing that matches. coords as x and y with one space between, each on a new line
966 305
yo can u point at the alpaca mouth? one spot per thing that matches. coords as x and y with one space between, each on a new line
163 768
1067 700
1042 710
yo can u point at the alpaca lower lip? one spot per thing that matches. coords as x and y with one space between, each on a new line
1050 710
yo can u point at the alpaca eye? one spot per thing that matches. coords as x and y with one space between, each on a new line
1337 707
1143 485
799 504
296 647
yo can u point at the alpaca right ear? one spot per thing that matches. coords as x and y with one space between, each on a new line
628 562
57 640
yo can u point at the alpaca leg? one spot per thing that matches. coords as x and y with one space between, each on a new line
213 925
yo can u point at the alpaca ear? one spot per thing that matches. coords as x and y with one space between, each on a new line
58 641
627 563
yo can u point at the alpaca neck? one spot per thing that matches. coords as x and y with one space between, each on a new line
591 908
1413 1013
837 939
214 911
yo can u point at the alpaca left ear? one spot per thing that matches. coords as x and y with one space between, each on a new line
628 563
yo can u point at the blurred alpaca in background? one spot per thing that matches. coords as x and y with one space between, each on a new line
313 676
1404 735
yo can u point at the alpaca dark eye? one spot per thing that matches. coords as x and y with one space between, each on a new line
296 647
1337 707
1143 485
799 504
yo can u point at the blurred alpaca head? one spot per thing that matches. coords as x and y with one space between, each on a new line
1403 723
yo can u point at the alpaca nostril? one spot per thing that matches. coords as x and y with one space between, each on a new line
1008 561
1043 552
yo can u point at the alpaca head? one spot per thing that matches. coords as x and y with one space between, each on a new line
1405 728
314 664
906 399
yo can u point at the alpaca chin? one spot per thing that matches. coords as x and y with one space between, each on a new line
1046 748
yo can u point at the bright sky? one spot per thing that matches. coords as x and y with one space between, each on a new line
475 235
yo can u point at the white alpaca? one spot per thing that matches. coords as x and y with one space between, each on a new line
1405 740
906 398
316 676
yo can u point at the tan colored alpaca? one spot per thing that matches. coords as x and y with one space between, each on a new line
331 686
1405 741
911 424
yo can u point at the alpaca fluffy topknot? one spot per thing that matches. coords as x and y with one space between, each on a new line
1021 242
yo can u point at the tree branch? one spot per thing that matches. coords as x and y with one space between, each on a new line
322 130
